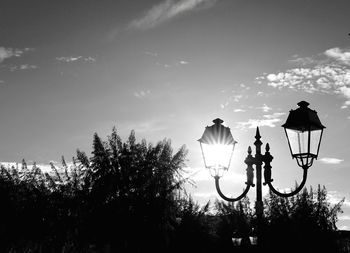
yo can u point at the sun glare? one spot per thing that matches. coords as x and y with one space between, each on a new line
217 156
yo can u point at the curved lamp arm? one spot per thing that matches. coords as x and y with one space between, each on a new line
267 158
250 160
217 178
298 189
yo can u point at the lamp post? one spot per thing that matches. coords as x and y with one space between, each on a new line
303 130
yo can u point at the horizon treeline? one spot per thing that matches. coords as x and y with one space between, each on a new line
129 197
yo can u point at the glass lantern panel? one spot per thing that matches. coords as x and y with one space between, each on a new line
298 141
217 156
315 139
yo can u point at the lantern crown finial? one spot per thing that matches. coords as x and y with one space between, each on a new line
303 104
218 121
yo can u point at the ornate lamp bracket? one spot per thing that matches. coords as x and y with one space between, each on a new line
267 158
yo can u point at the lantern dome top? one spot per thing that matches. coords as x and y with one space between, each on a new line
303 119
217 134
218 121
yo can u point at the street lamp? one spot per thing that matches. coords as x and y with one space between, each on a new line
304 132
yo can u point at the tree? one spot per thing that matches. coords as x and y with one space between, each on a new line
235 221
132 190
125 197
304 223
194 229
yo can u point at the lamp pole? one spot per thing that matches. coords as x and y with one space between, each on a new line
304 133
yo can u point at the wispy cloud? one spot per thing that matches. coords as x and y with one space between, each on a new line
236 98
69 59
329 73
268 120
224 105
144 127
176 64
302 60
344 217
265 108
238 110
329 160
6 53
166 11
334 197
153 54
23 67
142 93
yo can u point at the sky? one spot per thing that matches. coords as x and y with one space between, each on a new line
166 69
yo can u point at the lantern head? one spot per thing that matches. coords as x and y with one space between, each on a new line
304 132
217 145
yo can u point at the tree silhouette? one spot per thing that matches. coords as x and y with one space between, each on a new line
194 231
304 223
124 197
129 197
235 221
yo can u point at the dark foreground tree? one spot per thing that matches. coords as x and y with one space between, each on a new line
128 197
234 222
123 199
304 223
194 231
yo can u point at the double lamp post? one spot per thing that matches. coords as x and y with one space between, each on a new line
304 131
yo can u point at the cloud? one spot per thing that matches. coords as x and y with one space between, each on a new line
151 53
23 67
142 94
143 127
6 53
344 217
69 59
236 98
265 108
90 59
176 64
224 105
238 110
329 160
339 55
268 120
302 60
166 11
330 74
335 197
